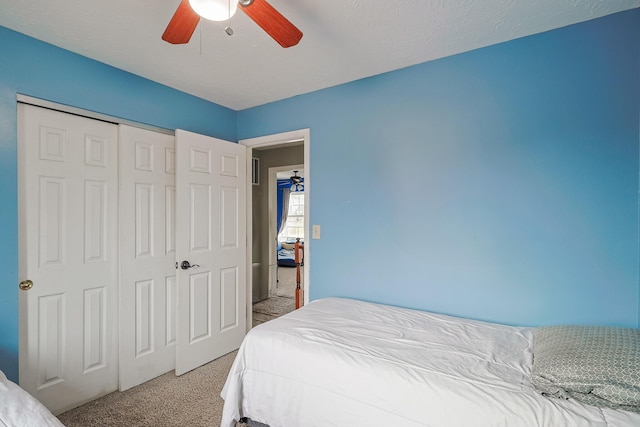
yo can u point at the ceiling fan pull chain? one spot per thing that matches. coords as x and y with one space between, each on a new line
228 29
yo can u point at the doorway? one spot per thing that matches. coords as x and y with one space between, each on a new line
262 247
285 223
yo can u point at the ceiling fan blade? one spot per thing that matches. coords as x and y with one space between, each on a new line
273 23
182 25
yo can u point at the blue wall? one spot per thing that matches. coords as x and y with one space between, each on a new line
40 70
499 184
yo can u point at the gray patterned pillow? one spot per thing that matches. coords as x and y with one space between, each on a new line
597 365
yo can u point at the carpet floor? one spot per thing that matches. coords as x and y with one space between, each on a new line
281 301
192 399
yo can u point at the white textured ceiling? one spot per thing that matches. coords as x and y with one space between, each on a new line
343 40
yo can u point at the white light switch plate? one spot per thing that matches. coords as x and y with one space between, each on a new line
315 231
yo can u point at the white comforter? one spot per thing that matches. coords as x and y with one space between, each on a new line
339 362
19 409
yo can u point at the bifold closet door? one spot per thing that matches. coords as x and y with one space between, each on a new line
68 262
181 199
147 255
82 274
211 245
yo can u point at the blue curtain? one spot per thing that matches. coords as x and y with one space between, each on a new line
283 185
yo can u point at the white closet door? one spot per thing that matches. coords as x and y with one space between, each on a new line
211 236
68 250
147 255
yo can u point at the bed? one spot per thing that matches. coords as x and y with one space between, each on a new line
342 362
287 254
19 409
286 258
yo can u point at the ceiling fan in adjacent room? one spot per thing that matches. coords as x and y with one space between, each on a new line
297 182
188 14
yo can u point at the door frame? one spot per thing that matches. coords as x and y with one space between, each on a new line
279 139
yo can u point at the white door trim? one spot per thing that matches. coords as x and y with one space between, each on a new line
265 141
26 99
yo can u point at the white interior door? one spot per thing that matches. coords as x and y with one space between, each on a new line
147 255
211 237
68 250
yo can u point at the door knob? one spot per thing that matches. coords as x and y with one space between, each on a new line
25 285
185 265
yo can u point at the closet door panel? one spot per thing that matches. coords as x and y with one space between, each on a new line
68 250
147 255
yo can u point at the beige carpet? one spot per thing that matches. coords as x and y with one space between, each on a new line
283 299
192 399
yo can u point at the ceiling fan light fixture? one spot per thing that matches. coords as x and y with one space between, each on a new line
296 182
214 10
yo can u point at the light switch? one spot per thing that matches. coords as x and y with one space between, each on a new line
315 231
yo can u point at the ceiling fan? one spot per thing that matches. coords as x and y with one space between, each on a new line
297 182
188 14
295 179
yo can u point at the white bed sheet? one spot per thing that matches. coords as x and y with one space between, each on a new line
340 362
19 409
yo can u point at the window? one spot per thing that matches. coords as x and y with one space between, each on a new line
294 227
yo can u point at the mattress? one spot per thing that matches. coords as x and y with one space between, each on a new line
286 258
339 362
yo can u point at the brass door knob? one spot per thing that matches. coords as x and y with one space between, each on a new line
25 285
